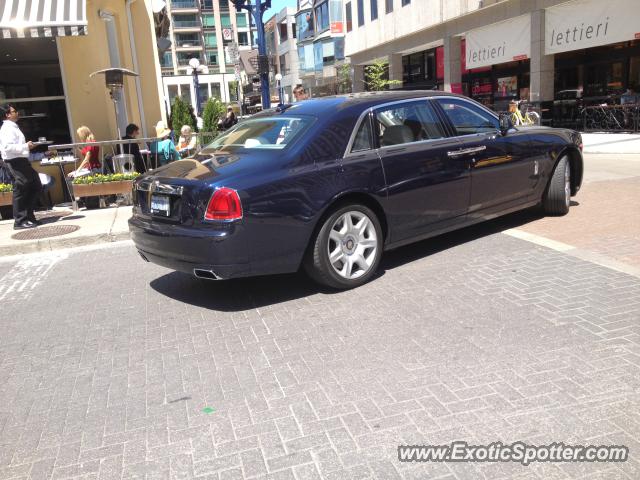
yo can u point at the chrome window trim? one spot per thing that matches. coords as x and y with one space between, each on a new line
442 140
348 153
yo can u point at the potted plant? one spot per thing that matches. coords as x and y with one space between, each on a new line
6 195
96 185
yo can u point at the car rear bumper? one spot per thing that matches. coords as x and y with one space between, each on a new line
220 249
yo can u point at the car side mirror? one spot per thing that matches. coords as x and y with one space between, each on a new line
505 123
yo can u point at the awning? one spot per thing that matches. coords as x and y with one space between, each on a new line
42 18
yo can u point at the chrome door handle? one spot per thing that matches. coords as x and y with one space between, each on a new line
466 151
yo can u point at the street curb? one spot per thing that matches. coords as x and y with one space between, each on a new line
49 244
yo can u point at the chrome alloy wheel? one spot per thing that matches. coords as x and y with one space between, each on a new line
352 245
567 184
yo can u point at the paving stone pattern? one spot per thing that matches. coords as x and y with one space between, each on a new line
106 365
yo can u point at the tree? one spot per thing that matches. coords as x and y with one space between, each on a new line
377 76
182 114
212 112
343 74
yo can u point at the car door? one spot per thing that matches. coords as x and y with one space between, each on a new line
504 171
426 188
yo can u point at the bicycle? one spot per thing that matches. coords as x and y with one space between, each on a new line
518 118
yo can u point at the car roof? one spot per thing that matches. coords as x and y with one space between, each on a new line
363 100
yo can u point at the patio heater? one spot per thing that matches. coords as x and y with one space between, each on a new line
114 81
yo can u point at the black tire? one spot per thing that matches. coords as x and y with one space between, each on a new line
317 263
557 197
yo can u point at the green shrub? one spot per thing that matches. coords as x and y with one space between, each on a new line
6 187
182 114
212 112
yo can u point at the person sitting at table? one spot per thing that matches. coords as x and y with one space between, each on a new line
187 141
132 132
163 148
90 154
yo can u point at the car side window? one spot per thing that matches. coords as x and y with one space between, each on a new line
467 118
362 140
407 122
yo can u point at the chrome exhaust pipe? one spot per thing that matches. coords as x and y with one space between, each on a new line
205 274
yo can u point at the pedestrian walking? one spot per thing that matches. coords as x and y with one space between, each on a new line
15 152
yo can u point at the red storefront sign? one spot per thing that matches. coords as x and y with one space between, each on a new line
337 27
440 63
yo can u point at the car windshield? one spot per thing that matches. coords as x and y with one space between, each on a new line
263 133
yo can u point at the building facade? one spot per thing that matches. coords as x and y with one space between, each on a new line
281 33
203 29
500 50
321 44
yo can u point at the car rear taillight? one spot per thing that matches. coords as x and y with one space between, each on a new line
224 205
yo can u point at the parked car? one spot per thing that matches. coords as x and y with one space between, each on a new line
567 107
329 184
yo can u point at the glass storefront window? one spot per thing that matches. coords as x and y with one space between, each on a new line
634 73
30 77
419 68
185 93
338 43
215 90
203 94
603 79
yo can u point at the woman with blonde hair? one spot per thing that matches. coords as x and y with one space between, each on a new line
187 141
90 154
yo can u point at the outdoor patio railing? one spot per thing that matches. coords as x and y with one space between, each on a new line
116 147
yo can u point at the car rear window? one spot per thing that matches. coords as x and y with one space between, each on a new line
263 133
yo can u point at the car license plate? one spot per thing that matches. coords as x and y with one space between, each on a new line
160 205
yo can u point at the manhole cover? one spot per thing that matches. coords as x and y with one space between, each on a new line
44 232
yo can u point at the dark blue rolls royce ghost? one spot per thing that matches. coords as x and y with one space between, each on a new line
329 184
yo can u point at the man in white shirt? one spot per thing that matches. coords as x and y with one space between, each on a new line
15 153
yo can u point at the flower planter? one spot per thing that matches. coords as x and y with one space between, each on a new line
106 188
6 198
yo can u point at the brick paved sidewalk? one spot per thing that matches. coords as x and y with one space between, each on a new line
474 336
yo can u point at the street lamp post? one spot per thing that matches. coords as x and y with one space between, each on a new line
256 10
196 68
279 87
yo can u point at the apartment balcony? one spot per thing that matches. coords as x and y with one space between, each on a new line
184 6
186 25
188 44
